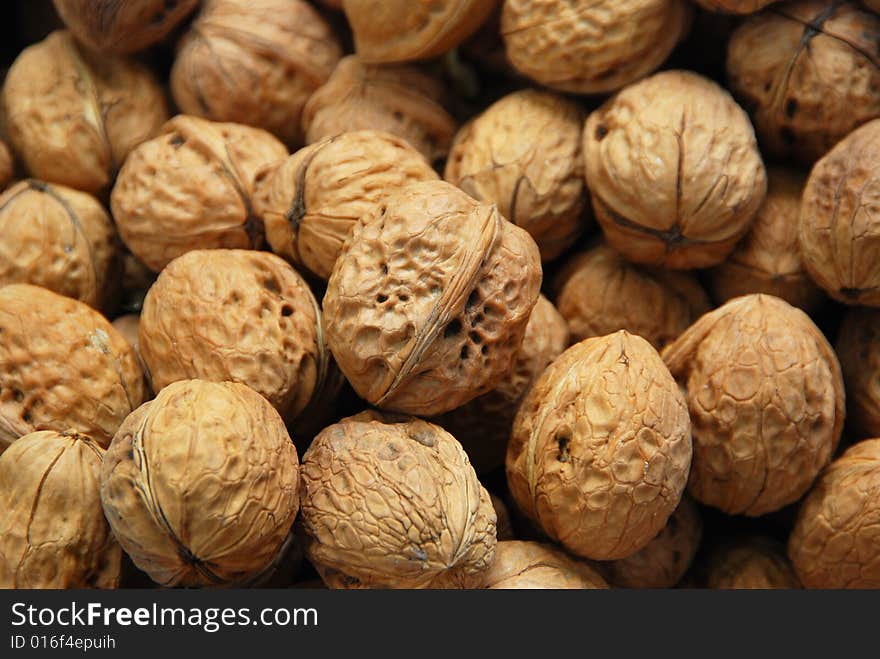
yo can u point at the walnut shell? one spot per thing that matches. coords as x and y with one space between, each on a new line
191 188
238 316
429 299
524 154
768 260
393 503
735 6
200 484
503 523
858 348
601 447
254 62
58 238
808 72
483 425
662 562
400 30
674 171
53 533
401 100
73 117
753 564
62 366
531 565
766 400
7 165
600 292
840 219
591 48
834 543
310 201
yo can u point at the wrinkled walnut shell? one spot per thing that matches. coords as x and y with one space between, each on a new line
858 348
753 564
532 565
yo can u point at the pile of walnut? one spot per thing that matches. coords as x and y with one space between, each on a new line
449 294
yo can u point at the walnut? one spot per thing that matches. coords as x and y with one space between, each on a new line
268 336
503 523
532 565
752 564
128 326
58 238
834 543
53 533
200 484
310 201
873 5
73 117
766 400
254 62
768 259
858 348
393 503
7 165
62 367
429 299
674 171
601 447
735 6
483 425
840 219
191 188
809 74
662 562
524 154
401 100
599 292
594 47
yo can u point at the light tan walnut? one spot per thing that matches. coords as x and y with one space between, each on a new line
858 348
532 565
752 564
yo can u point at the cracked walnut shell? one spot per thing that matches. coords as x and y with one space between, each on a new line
752 564
601 447
53 533
520 565
200 484
73 117
674 171
858 348
310 201
429 299
766 400
392 502
191 188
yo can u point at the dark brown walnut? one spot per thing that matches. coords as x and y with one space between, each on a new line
110 26
191 188
768 259
238 316
53 533
766 401
839 231
401 31
532 565
483 425
735 6
58 238
503 524
524 155
808 72
73 117
310 201
753 564
401 100
254 62
590 48
662 562
858 348
7 165
392 502
601 447
834 543
200 485
674 171
873 5
63 366
428 302
600 292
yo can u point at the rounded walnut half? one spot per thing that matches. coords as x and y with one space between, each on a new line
735 6
524 155
191 188
753 564
858 348
73 117
53 533
674 171
200 484
391 502
310 201
63 366
766 400
601 447
531 565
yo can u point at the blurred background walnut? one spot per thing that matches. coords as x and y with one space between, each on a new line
735 6
755 563
7 165
503 523
858 347
532 565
